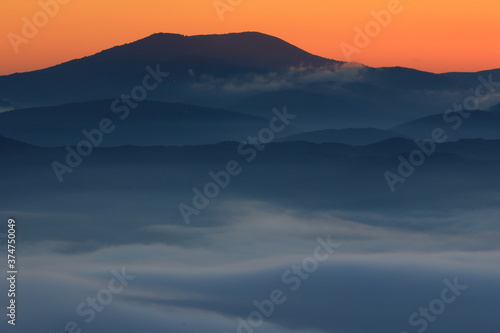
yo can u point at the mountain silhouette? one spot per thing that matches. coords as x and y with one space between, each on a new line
246 49
350 136
479 124
246 72
150 124
7 144
114 71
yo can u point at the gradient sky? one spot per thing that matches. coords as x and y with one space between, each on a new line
436 36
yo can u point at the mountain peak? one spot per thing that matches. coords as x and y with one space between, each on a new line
112 71
249 49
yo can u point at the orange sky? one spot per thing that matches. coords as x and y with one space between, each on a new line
436 36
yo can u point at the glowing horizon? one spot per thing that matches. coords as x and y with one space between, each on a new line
433 37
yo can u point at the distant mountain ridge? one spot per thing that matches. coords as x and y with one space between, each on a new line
150 124
247 72
350 136
479 124
10 144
